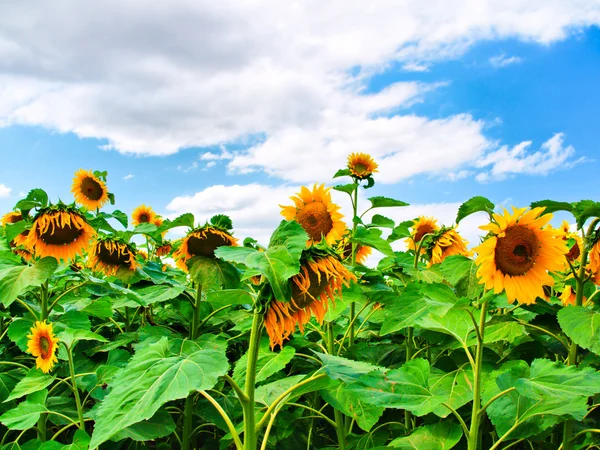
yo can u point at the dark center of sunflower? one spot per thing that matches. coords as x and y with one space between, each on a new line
61 235
91 188
315 219
114 258
15 218
573 252
360 168
206 246
44 346
143 218
517 251
422 231
316 288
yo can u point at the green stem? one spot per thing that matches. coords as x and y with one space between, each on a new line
353 258
473 438
75 390
250 429
339 417
188 413
409 355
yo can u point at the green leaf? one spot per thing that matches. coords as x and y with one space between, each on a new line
34 381
17 279
8 381
584 210
385 202
347 188
81 441
402 230
160 425
18 331
347 402
439 436
381 221
71 336
347 370
229 297
268 393
461 272
145 228
27 413
150 295
36 198
213 273
456 323
267 364
371 237
164 371
291 235
454 388
473 205
120 217
582 326
14 229
342 173
185 220
552 206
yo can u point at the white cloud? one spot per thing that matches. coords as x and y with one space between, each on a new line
210 164
189 168
210 156
502 60
4 190
183 74
505 161
128 177
415 67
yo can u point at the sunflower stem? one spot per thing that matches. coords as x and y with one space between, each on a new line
473 437
340 429
41 425
75 390
409 354
250 429
353 257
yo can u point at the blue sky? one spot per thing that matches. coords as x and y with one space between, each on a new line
444 115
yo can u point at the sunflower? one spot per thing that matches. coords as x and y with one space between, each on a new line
447 244
59 231
361 165
23 253
43 344
321 277
568 296
594 265
108 255
202 242
317 214
566 234
142 214
89 190
164 249
14 217
519 253
421 226
345 249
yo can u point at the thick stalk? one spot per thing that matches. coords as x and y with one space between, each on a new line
353 257
409 355
340 429
250 429
188 412
473 438
75 390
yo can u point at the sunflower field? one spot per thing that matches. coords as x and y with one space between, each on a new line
113 336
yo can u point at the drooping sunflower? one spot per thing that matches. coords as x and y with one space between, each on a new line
345 249
142 214
89 190
202 241
59 231
109 255
519 253
164 249
315 211
577 243
421 227
15 217
361 165
321 277
447 244
42 343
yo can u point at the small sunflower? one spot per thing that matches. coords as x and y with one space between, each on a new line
345 249
43 344
108 255
361 165
164 249
594 264
421 226
566 234
202 242
59 231
317 214
142 214
321 277
14 217
447 244
568 296
89 190
519 253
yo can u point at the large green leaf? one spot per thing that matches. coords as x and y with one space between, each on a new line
34 381
70 336
349 403
552 206
582 326
81 441
267 364
456 322
160 425
268 393
17 279
371 237
454 388
229 297
347 370
158 373
18 331
385 202
585 209
473 205
439 436
461 272
213 274
150 295
27 413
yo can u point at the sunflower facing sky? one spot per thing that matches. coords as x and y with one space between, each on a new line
519 253
108 255
89 190
42 343
143 214
422 226
361 165
202 242
59 231
315 211
321 277
447 244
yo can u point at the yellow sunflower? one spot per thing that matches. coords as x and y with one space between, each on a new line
14 217
594 264
448 244
361 165
566 234
61 232
142 214
345 249
108 255
164 249
422 226
43 344
519 253
202 242
319 280
89 190
568 296
317 214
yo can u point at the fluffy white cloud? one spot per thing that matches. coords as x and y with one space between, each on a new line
128 177
4 190
505 161
502 60
153 79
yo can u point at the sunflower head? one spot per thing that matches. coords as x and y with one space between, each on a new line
59 231
344 248
518 254
89 190
11 218
574 241
42 343
109 255
422 227
447 243
315 211
143 214
568 297
164 249
321 277
361 165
